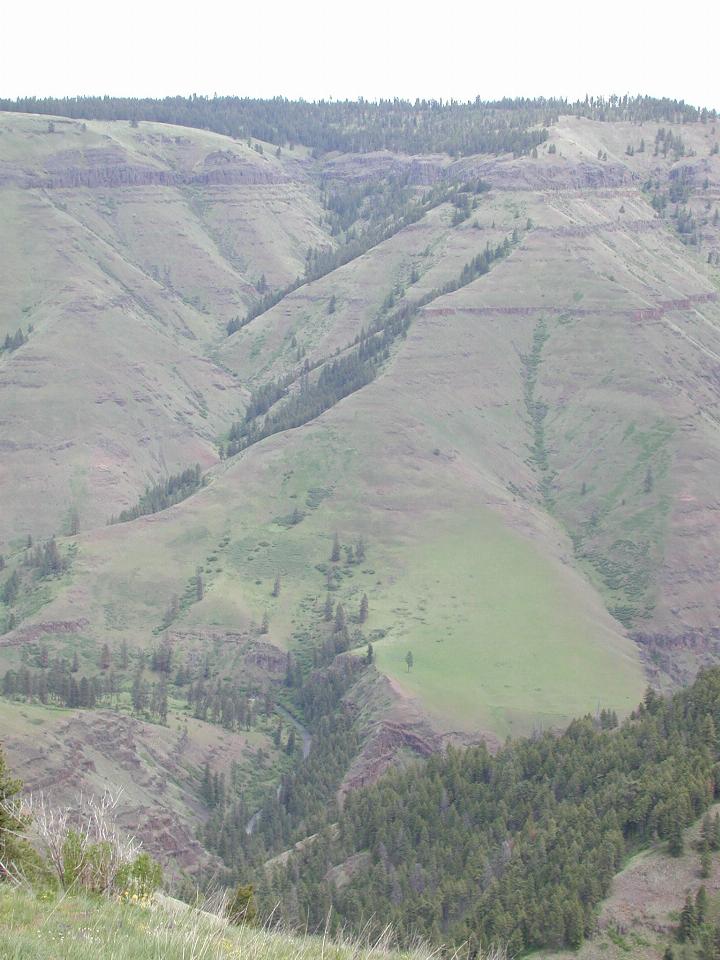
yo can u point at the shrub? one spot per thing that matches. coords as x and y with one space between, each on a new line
241 907
138 881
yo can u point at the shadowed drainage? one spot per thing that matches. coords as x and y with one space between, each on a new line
306 745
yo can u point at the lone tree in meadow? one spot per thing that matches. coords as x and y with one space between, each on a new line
409 660
648 481
276 586
363 608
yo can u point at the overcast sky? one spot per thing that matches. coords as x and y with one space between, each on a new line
372 48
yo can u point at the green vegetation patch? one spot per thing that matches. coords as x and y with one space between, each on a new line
506 645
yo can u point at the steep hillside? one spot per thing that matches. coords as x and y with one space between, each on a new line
127 252
498 387
154 773
640 917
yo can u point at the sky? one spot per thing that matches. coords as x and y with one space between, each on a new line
317 49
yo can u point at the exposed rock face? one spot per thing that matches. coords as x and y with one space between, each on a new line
387 741
501 173
526 174
34 631
112 167
395 731
149 769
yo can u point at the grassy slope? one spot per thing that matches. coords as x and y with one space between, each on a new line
463 488
504 659
83 928
414 520
129 289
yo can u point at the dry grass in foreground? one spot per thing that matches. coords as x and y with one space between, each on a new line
38 927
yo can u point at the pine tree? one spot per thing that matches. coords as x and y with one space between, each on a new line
705 860
84 692
688 921
11 588
363 608
73 523
328 610
207 784
675 839
708 732
163 702
340 621
73 697
105 657
335 554
139 694
649 480
574 924
276 586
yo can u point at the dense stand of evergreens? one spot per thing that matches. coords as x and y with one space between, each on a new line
340 377
363 218
502 126
38 562
164 494
306 798
519 847
11 343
